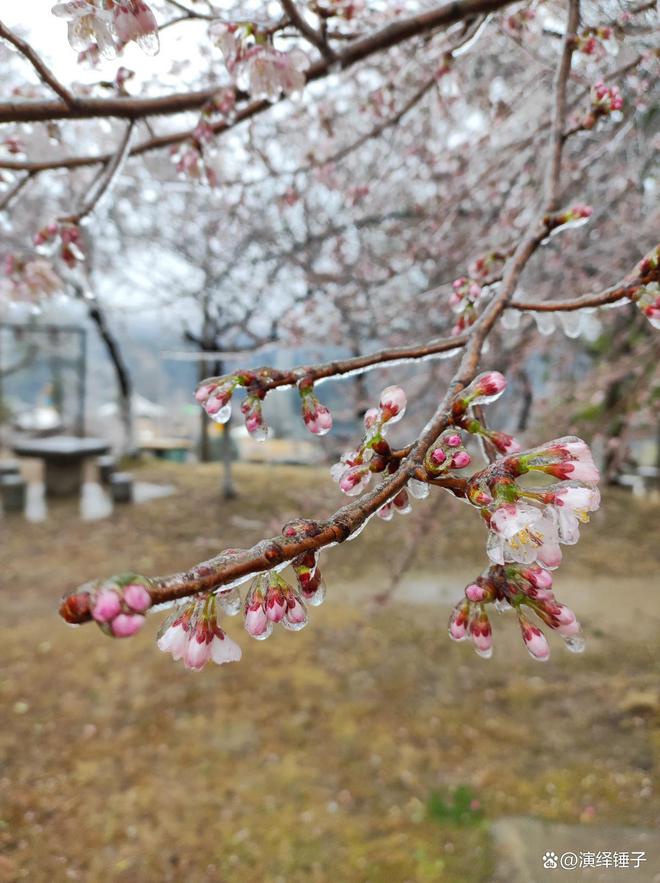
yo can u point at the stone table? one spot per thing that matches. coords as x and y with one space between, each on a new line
63 456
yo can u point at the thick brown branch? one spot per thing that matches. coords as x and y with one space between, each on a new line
137 108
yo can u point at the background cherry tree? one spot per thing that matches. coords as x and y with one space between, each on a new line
436 187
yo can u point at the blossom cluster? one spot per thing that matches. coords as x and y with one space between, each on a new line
255 65
354 470
215 394
62 239
591 40
193 634
119 605
524 589
109 25
605 99
465 294
316 416
28 279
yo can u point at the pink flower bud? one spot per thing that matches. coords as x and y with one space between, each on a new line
460 460
276 604
203 392
197 652
256 621
106 605
535 641
370 417
475 592
393 403
491 383
454 441
458 621
126 624
438 456
137 597
296 614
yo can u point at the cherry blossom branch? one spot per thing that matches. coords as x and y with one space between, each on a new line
44 72
106 181
135 108
300 538
8 197
309 33
557 138
608 296
158 142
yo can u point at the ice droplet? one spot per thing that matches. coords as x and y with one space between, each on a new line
544 322
485 654
575 644
510 319
418 489
230 601
571 323
501 605
223 415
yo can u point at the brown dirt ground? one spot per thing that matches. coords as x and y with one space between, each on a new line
315 758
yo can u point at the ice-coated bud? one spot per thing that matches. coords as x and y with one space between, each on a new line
393 404
402 502
460 460
126 624
295 617
354 480
137 597
203 392
538 577
535 641
458 621
438 456
276 604
505 444
481 634
475 592
487 387
197 652
454 440
371 417
317 417
256 622
107 605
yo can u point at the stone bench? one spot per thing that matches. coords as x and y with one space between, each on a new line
121 487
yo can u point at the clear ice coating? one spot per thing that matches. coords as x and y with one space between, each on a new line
545 322
418 489
571 322
230 601
575 644
223 415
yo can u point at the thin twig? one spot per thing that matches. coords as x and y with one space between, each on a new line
44 72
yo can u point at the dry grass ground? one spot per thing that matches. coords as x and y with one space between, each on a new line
326 755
